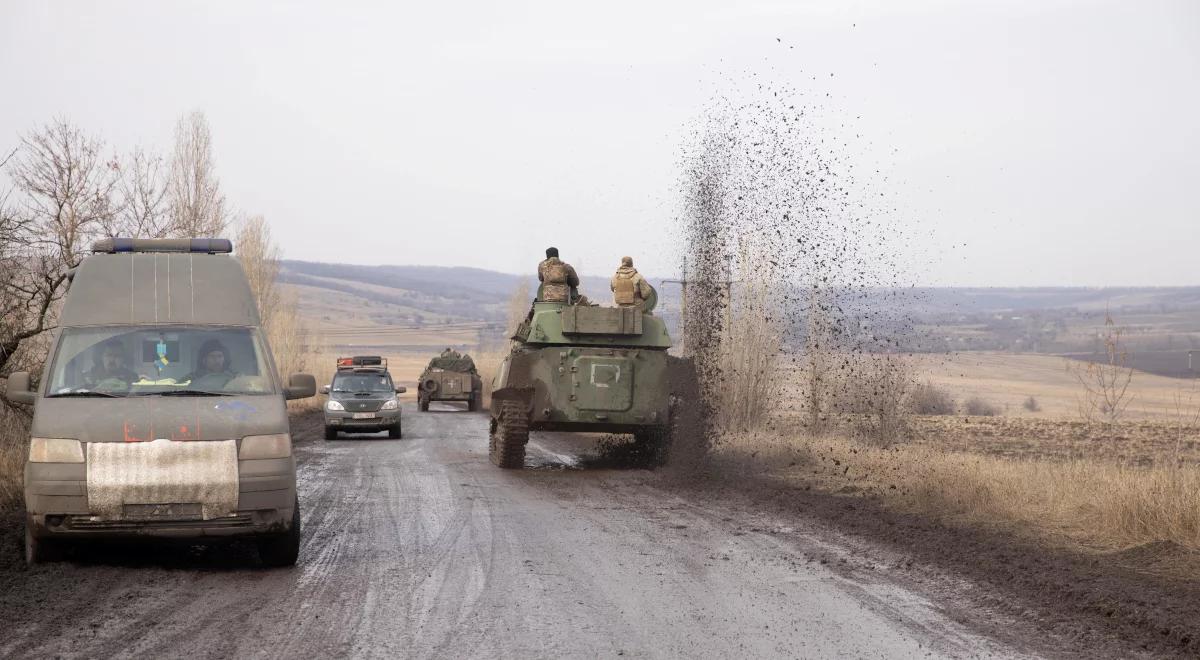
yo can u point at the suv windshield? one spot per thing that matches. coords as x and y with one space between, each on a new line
143 361
362 383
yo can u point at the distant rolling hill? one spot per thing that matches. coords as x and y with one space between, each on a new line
352 305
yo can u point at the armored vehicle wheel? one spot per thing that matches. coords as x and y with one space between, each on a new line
423 404
394 431
38 551
330 433
278 551
654 445
509 434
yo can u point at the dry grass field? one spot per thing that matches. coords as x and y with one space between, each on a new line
1008 379
1104 488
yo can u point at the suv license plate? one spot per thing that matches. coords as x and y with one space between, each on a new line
364 415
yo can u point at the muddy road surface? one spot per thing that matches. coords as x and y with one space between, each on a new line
420 547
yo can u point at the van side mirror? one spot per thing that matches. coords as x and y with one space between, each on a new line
300 386
18 390
324 389
401 389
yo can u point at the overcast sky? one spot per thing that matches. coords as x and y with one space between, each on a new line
1035 143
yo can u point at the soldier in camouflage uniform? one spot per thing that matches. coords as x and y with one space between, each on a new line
558 278
629 288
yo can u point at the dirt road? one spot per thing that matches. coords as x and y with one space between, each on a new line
420 547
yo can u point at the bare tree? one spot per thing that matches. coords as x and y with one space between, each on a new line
1105 380
143 211
259 255
197 205
63 200
280 312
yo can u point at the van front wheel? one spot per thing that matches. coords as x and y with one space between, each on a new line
38 551
280 551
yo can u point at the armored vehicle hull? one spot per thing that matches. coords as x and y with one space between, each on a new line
583 369
443 385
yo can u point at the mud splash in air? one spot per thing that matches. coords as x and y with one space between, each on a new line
792 263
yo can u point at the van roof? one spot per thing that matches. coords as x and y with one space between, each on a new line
135 288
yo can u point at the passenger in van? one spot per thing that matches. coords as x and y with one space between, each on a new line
110 366
212 365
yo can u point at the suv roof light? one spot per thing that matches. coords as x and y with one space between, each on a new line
369 361
185 245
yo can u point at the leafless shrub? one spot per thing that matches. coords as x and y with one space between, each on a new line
927 399
748 356
1105 380
820 360
1031 404
294 350
14 435
518 307
980 407
874 387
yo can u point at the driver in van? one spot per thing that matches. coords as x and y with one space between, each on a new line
212 365
110 366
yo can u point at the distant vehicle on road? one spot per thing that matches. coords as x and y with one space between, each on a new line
451 376
160 412
362 398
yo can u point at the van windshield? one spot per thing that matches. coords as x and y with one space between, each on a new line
151 361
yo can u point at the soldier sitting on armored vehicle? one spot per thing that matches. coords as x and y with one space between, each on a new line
558 278
629 288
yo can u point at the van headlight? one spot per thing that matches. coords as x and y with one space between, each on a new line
334 405
55 450
390 405
276 445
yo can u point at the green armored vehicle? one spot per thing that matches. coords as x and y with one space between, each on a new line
583 368
450 376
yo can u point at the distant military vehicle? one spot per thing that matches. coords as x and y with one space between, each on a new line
450 376
583 368
362 398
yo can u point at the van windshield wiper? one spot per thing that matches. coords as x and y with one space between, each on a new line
185 393
85 393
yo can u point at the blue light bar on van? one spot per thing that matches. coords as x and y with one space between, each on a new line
192 245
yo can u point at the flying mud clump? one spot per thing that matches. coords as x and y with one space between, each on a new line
792 267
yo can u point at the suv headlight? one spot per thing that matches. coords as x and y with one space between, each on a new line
276 445
334 405
390 405
55 450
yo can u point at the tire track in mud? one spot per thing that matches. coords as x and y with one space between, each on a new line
444 564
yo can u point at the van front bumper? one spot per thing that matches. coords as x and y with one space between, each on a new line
57 506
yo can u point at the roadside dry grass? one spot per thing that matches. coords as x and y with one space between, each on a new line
1092 504
14 433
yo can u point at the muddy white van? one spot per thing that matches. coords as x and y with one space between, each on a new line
160 412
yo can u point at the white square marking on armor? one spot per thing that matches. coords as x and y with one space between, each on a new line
614 369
